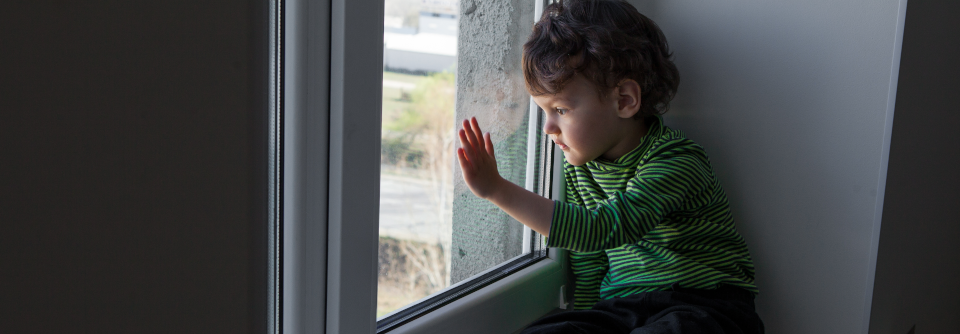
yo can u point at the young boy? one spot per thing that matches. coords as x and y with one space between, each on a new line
654 248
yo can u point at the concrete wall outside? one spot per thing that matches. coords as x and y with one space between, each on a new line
790 100
132 181
918 265
490 87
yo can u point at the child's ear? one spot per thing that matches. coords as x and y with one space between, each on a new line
628 98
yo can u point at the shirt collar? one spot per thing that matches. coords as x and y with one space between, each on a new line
632 158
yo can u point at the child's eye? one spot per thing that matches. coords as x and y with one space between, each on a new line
561 111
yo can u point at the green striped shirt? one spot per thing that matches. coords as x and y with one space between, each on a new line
654 217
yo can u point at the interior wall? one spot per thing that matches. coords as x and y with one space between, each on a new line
132 166
918 265
790 101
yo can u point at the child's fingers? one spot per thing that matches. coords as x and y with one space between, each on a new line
477 132
462 158
489 144
468 131
475 138
465 145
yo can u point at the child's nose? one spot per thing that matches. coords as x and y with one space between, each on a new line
550 127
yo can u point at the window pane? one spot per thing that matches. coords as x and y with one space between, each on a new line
433 231
491 88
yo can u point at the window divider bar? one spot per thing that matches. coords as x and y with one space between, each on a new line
275 176
530 241
532 148
356 77
305 99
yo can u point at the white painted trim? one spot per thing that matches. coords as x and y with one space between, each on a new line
274 172
884 161
532 149
532 133
356 76
502 307
305 117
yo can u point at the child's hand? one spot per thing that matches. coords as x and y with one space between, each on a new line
479 168
477 161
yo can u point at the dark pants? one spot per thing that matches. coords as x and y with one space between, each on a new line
725 310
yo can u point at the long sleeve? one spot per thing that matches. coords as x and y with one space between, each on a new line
675 171
653 218
588 268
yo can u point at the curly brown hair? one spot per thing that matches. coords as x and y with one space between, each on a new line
607 41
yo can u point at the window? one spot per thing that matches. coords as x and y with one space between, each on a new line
433 231
477 258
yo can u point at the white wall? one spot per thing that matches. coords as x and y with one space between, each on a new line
791 100
132 166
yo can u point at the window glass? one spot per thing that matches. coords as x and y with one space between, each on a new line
444 61
491 88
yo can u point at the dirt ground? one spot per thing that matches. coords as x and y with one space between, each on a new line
408 271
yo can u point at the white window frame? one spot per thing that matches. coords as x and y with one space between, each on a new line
330 188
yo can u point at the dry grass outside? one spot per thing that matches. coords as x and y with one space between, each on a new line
407 271
417 141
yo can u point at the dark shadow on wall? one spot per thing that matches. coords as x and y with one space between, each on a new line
918 262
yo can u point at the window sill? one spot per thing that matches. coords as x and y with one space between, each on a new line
502 307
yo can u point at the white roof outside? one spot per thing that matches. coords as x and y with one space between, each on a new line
423 42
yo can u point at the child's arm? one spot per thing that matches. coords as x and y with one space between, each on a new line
479 166
675 174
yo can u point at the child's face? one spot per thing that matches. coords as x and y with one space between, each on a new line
586 126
